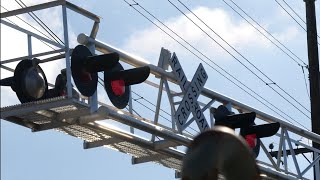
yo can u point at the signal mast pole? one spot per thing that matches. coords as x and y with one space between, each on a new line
313 57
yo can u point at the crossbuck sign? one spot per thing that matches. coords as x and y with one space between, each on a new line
191 92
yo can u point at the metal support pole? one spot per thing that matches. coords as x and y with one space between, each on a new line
292 154
285 157
67 50
317 166
313 57
171 101
280 149
156 115
130 107
93 100
29 46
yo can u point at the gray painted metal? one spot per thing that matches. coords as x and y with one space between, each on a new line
94 133
67 52
74 117
33 56
31 33
32 8
109 141
137 62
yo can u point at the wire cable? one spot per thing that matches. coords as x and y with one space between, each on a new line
294 12
141 97
293 18
297 14
266 32
132 5
268 84
137 100
290 15
40 22
305 65
305 82
32 27
151 103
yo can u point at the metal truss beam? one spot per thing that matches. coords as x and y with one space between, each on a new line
21 122
110 141
83 12
32 34
32 8
161 144
106 113
133 139
32 107
48 126
296 151
157 71
33 55
144 159
52 4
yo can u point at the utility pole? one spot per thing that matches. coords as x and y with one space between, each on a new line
313 57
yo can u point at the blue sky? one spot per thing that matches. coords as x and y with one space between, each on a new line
52 155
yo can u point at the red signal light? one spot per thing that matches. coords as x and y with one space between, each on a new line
251 140
118 87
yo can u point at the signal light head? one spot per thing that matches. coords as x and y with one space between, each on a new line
218 151
85 68
117 81
29 81
85 81
118 87
117 90
34 83
253 133
223 117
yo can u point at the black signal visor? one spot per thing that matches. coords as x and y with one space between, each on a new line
101 62
261 131
130 76
237 120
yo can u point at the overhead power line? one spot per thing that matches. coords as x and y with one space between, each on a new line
140 97
304 66
294 12
143 98
31 27
132 5
250 17
266 83
293 17
40 22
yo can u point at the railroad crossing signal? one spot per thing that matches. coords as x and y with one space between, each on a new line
192 91
60 87
117 81
248 130
29 81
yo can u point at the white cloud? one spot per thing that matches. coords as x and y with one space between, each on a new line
238 33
